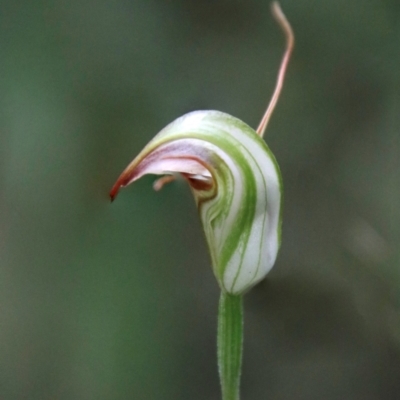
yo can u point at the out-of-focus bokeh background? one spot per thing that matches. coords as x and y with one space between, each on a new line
101 301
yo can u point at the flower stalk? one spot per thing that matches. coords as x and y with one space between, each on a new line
230 344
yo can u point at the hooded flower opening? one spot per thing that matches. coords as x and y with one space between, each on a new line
169 159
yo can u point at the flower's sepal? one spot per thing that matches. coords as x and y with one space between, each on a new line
236 184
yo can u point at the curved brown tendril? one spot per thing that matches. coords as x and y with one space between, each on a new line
287 29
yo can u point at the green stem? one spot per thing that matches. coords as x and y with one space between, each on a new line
230 340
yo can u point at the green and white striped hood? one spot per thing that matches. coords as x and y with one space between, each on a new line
236 184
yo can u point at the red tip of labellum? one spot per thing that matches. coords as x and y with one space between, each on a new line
124 179
114 192
115 189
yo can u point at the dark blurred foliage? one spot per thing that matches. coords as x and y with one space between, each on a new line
101 301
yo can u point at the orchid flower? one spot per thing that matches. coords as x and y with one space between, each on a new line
237 187
236 184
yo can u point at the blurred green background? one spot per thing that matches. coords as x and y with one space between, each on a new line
101 301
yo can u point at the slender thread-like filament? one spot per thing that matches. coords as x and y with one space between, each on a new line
160 182
287 29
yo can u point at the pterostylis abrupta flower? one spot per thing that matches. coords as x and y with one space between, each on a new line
236 184
237 187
